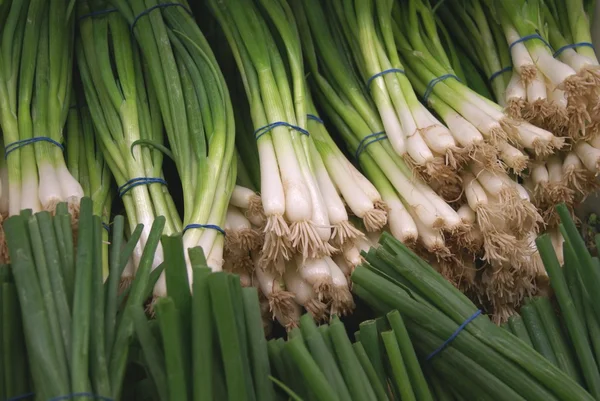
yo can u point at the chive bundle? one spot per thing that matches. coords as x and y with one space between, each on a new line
434 311
75 327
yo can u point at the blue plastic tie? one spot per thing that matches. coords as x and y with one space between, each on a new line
21 397
162 5
97 13
572 46
11 147
529 37
499 72
106 226
454 335
367 140
134 182
382 73
267 128
434 82
88 395
314 118
209 226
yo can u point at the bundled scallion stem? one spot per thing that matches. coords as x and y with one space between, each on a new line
86 163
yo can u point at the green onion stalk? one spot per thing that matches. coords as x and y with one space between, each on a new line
343 97
360 196
4 199
574 71
128 125
429 145
37 51
296 213
197 114
86 163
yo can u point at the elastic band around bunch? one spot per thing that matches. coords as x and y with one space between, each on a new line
572 46
269 127
454 335
97 13
529 37
11 147
162 5
382 73
106 226
367 140
134 182
499 72
208 226
21 397
434 82
314 118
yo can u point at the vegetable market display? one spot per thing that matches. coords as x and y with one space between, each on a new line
209 343
293 143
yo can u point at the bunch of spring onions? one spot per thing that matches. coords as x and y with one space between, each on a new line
37 49
86 164
210 345
307 188
124 108
506 367
499 208
206 346
418 215
504 52
197 114
77 329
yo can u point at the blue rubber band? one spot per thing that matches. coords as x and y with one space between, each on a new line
134 182
162 5
572 46
209 226
267 128
97 14
11 147
382 73
529 37
314 118
106 226
367 140
499 72
454 335
73 395
21 397
434 82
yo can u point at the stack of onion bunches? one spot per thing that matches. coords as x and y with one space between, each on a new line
313 128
